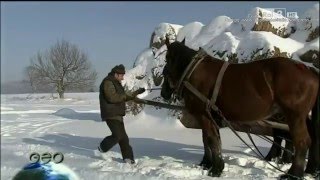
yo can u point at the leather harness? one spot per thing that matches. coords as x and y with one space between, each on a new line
196 60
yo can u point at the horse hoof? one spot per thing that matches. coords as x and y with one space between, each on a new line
214 173
286 159
311 169
205 167
280 161
314 173
205 164
268 158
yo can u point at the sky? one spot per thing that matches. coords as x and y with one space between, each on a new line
110 33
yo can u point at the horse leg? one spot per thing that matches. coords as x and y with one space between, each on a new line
275 150
207 158
211 131
301 142
313 165
287 156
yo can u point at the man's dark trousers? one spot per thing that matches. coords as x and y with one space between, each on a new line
120 136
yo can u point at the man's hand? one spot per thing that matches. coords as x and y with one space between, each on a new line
136 93
140 91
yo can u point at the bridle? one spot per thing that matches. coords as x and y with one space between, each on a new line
195 61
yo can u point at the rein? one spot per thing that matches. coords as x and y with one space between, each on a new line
152 89
158 104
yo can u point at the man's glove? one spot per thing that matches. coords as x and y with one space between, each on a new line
139 91
135 93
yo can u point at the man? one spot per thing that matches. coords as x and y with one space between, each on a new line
112 99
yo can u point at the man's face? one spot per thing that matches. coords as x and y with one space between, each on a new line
119 77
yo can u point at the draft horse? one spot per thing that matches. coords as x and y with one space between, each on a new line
249 92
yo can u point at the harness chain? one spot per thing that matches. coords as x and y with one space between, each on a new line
270 141
259 155
234 131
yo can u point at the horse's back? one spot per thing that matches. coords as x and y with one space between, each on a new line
291 70
256 87
294 84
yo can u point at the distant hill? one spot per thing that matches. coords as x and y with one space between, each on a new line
15 87
22 87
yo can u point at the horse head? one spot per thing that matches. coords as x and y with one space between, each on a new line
178 57
168 85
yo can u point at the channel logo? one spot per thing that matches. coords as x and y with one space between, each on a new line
275 12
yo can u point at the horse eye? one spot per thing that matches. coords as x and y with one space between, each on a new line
164 72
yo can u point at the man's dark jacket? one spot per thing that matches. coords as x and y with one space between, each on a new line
112 98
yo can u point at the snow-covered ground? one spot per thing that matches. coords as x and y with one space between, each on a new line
163 148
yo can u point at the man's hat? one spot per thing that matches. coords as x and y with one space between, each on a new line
119 69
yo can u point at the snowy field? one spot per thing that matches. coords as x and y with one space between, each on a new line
163 148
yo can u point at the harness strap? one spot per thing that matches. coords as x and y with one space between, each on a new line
272 142
218 82
193 68
192 65
199 95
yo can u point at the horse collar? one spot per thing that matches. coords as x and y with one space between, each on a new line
196 60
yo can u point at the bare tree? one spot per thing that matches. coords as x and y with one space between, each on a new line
30 79
64 66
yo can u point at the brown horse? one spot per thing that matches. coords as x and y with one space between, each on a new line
249 92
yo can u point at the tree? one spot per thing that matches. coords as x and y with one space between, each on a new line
64 66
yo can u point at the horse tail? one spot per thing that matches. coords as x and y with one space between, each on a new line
315 120
315 124
315 116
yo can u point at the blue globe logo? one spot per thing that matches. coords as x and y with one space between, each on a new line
48 171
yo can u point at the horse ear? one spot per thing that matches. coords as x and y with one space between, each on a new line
183 41
167 42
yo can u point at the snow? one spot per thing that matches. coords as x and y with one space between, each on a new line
313 45
240 33
189 31
162 29
62 169
313 14
229 36
163 148
278 21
